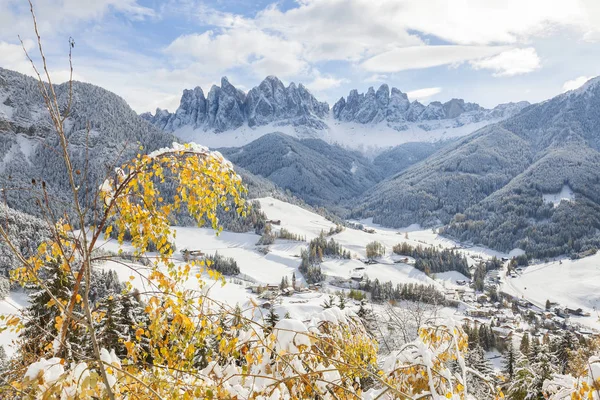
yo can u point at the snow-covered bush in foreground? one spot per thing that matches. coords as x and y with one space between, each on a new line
563 387
329 357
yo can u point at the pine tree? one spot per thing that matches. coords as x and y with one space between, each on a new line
342 302
474 337
367 317
110 330
131 318
548 305
562 348
524 347
509 361
328 303
238 318
271 320
475 359
517 388
40 329
294 280
534 349
542 368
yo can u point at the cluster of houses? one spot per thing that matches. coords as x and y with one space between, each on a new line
509 315
270 292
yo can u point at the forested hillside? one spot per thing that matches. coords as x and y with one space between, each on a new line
494 186
311 169
102 130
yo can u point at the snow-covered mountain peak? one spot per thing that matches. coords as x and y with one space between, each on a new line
227 108
395 109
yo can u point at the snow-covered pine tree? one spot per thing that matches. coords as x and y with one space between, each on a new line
237 319
509 361
524 347
517 388
111 329
40 329
104 284
534 349
271 320
476 360
543 367
329 302
561 348
132 318
342 302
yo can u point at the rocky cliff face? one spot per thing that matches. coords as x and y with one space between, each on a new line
227 108
394 107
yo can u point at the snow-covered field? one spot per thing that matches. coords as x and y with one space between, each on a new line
11 306
570 283
565 194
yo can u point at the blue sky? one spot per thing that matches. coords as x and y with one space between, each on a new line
148 51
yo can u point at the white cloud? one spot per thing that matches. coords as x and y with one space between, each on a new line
376 78
575 83
63 15
263 53
13 56
425 93
339 29
405 58
511 62
321 83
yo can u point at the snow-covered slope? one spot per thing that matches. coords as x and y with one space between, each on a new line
569 283
102 130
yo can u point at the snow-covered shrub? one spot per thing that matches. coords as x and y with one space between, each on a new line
566 387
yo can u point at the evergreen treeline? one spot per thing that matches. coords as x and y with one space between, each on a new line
124 314
382 292
431 260
534 361
481 271
318 248
224 265
482 335
287 235
25 231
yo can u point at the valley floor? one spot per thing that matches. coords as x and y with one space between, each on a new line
574 284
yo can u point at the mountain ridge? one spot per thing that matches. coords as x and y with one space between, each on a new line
490 187
226 108
272 104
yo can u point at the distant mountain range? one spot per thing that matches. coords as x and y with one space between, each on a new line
395 109
238 117
228 108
